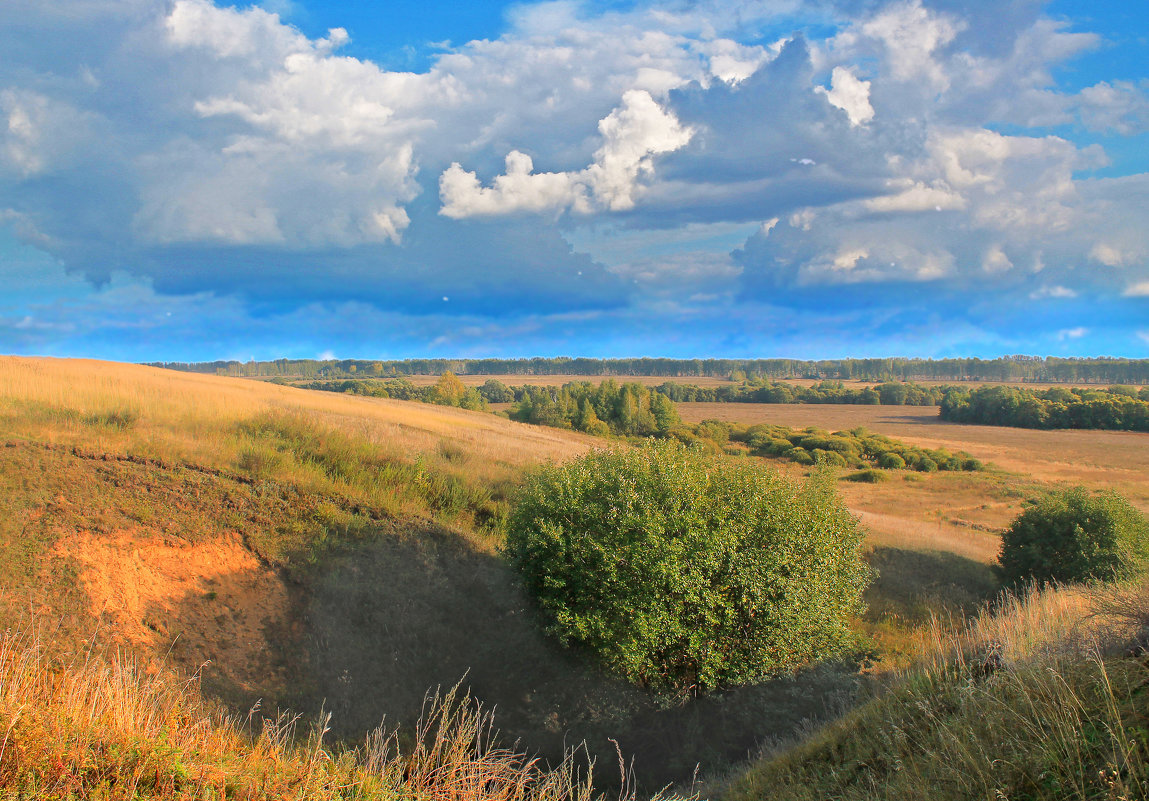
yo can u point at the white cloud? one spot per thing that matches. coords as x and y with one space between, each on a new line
39 134
1111 255
1052 292
631 135
849 94
1138 290
1072 333
917 196
911 34
1143 336
518 189
1121 106
995 260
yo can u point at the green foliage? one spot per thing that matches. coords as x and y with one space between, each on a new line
1075 536
627 409
681 571
891 461
1008 368
1118 408
763 390
856 448
867 476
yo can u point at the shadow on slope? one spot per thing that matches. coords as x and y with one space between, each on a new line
390 618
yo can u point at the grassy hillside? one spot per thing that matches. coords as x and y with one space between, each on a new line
1047 698
169 537
318 551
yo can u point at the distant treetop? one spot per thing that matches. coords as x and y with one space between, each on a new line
1049 369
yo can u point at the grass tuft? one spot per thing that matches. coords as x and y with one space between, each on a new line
96 726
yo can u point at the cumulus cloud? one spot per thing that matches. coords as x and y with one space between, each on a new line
631 135
850 94
211 148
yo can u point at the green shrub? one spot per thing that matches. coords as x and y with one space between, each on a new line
867 476
829 458
1075 536
683 572
891 461
926 465
799 455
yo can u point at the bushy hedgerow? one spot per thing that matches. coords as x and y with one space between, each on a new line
857 448
685 572
1073 535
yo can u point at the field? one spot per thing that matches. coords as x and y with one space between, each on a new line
959 513
312 550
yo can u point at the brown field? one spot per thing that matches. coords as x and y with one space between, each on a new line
959 512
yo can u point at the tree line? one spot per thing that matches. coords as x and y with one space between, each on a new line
764 390
1049 369
1120 408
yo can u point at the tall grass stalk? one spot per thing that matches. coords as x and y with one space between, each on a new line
97 726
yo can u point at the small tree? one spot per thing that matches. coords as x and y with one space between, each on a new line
681 571
1075 536
448 390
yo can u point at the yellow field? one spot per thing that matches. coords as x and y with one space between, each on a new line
176 412
958 512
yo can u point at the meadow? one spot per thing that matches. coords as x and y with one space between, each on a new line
204 552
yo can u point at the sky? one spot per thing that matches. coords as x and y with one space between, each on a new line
189 180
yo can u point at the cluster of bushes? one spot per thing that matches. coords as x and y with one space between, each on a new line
683 572
892 393
607 408
857 448
1118 408
447 391
1073 535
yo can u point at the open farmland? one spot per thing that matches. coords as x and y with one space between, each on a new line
958 513
1113 459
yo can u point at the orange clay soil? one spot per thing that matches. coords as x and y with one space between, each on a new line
212 600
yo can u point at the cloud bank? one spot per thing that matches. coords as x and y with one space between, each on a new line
895 160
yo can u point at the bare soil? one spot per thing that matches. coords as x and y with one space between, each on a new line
213 600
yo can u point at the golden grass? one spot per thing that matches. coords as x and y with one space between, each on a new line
396 456
94 726
1037 699
169 403
1112 459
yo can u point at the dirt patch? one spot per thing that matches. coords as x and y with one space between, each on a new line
210 603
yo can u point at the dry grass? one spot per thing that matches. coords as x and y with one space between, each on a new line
1038 700
396 456
959 513
95 727
173 410
1112 459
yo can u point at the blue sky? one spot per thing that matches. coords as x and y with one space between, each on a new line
193 180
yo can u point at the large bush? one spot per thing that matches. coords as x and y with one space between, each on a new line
1075 536
682 571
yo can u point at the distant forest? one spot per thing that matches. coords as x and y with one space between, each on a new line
1048 369
1118 408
